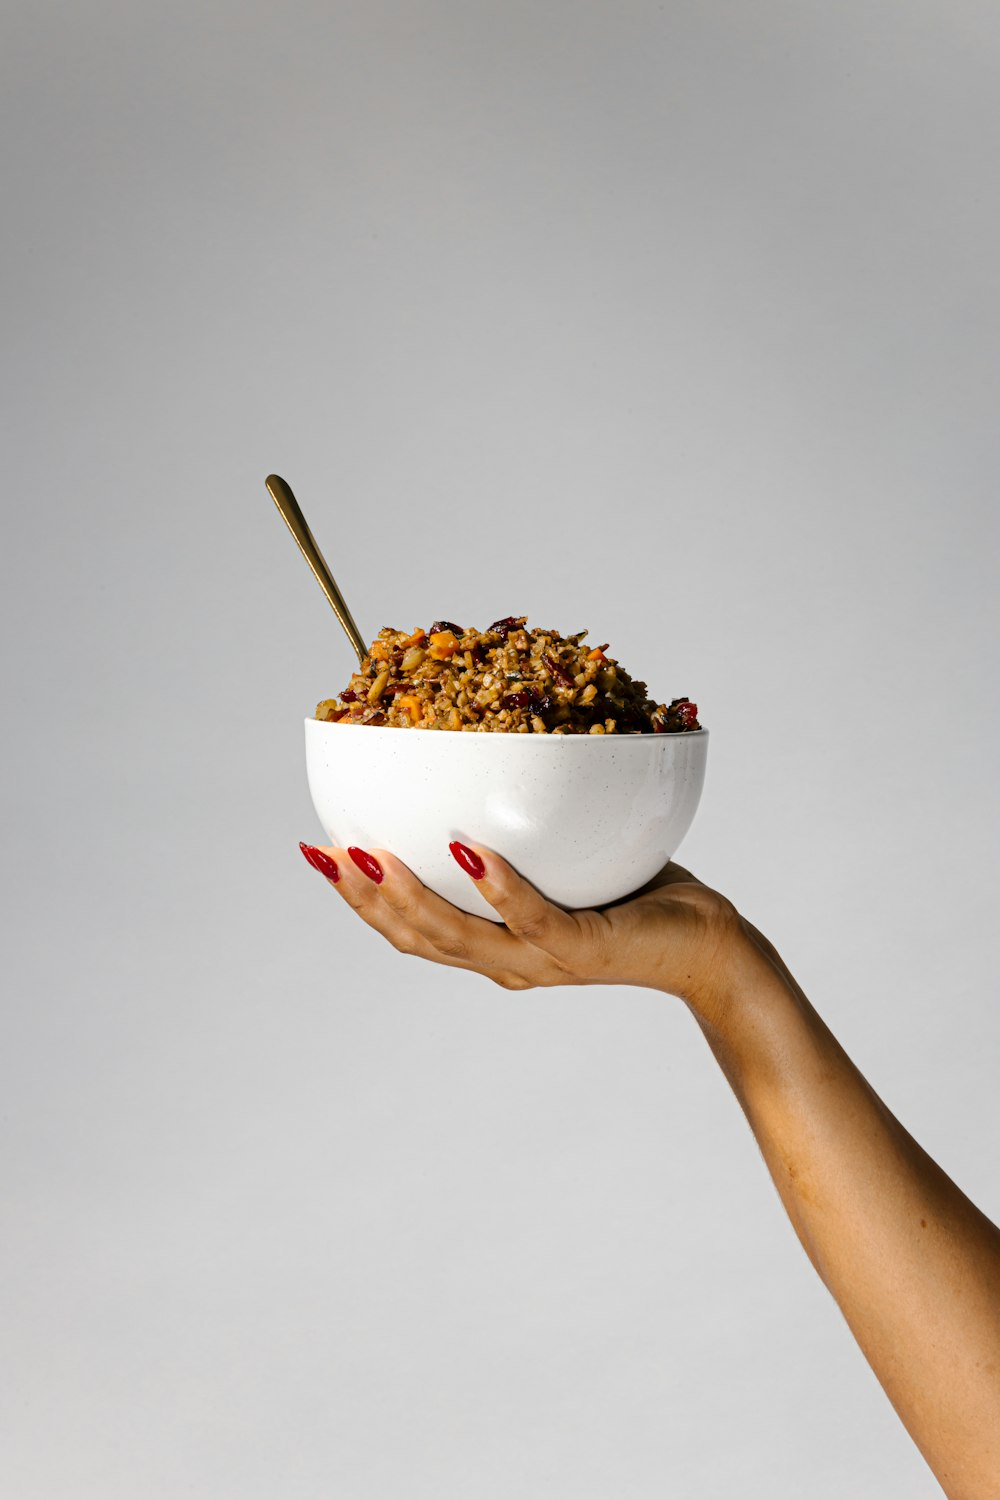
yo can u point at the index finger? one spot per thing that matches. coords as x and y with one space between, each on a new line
417 920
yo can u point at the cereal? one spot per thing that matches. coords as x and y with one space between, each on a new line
504 680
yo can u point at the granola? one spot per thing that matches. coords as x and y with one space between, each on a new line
504 680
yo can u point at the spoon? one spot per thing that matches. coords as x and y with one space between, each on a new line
297 524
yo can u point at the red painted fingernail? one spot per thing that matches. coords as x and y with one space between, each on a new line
367 864
321 862
468 859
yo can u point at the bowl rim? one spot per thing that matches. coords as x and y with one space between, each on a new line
456 734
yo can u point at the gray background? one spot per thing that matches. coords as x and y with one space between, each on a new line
679 321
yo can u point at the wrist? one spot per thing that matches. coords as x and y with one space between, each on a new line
743 995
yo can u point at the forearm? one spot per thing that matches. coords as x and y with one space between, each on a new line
913 1265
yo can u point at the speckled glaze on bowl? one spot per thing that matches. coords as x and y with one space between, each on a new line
586 818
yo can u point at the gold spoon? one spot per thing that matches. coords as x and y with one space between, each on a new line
297 524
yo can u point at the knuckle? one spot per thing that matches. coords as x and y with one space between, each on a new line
451 947
403 906
357 905
532 926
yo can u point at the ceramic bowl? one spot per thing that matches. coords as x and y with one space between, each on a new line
586 818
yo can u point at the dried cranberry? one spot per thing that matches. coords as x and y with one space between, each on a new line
544 704
517 700
559 671
503 628
348 696
440 626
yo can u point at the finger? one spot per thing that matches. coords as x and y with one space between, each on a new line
321 861
524 910
461 939
361 893
389 898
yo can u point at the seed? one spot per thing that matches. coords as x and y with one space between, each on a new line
413 658
378 686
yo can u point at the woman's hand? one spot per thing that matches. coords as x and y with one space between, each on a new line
675 935
913 1264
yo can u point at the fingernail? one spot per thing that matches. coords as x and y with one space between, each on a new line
321 862
367 864
468 859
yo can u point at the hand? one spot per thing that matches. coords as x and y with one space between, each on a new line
675 934
913 1264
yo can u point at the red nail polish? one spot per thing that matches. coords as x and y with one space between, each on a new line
367 864
321 862
468 859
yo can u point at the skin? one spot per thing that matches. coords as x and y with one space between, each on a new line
913 1265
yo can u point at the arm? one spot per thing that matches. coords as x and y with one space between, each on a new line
913 1265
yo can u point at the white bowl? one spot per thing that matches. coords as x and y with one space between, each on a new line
587 818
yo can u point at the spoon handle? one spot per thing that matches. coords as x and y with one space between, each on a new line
297 524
